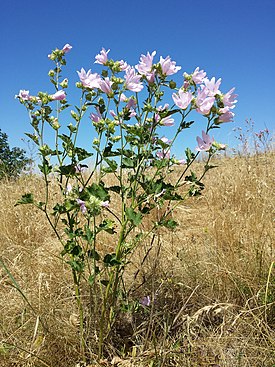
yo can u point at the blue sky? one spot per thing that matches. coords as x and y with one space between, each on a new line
234 40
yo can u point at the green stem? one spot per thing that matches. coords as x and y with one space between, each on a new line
111 289
81 315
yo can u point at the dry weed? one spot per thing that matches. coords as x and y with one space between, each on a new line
210 282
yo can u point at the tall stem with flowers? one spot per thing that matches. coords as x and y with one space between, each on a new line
128 110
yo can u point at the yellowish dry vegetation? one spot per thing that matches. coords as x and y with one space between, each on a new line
211 281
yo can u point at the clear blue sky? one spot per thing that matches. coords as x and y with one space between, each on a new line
234 40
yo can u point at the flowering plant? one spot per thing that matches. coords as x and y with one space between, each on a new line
132 165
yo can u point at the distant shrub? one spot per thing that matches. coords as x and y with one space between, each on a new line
12 160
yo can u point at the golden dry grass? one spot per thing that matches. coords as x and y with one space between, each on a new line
210 281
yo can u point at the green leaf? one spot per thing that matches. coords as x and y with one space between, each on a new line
26 199
45 168
41 205
76 250
93 254
126 152
33 138
186 125
72 128
112 164
111 260
116 189
91 278
58 208
127 163
99 191
68 170
192 177
170 223
107 152
89 235
108 226
160 163
82 153
65 138
189 155
196 189
169 195
76 265
70 205
134 217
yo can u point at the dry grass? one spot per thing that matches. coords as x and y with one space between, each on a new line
212 303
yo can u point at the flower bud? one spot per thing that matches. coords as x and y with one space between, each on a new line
219 146
64 83
96 141
52 56
45 150
74 115
55 124
51 73
88 96
104 73
72 128
187 76
172 84
114 86
116 138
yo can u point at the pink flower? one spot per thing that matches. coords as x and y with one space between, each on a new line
132 80
66 48
181 161
123 65
163 154
106 86
166 140
88 79
145 301
186 84
132 103
123 98
145 66
204 143
96 117
229 99
132 112
102 57
168 67
151 77
167 121
112 113
82 205
221 146
69 189
182 99
58 96
198 76
24 94
105 204
79 168
212 86
204 103
163 108
226 115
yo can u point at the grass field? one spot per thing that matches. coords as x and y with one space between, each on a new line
211 281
